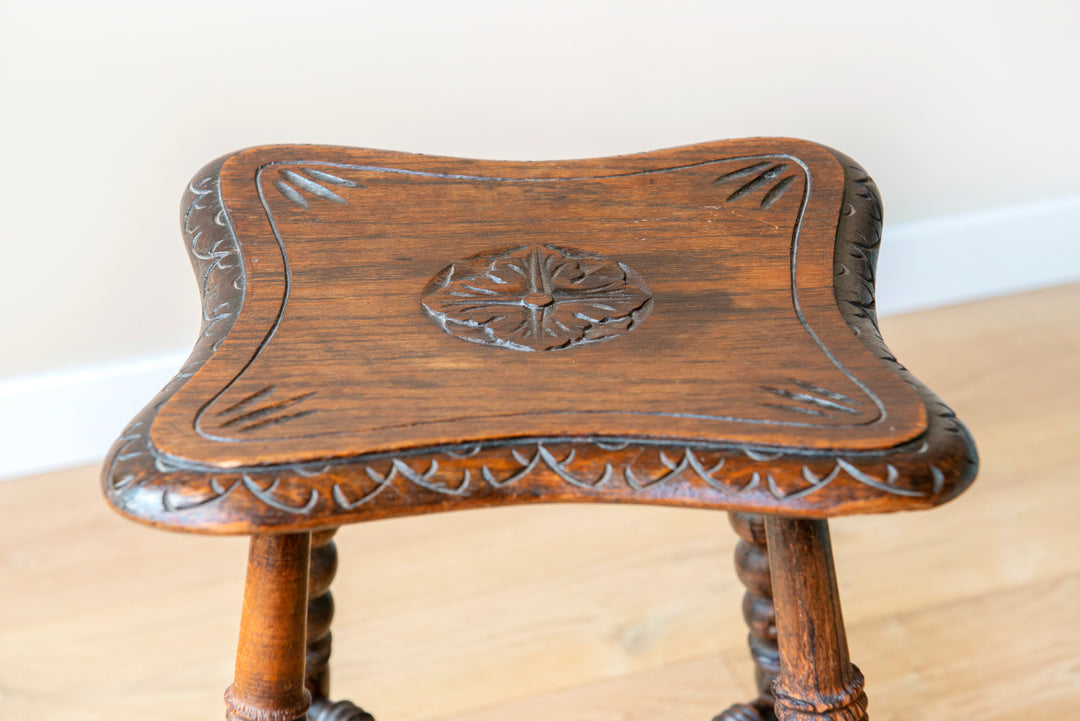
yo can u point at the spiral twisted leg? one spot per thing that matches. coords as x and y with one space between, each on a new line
752 567
320 615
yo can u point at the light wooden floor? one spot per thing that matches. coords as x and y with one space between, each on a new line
594 613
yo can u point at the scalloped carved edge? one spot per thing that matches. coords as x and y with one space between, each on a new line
858 241
147 486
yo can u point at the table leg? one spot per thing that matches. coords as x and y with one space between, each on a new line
319 637
752 567
817 680
269 681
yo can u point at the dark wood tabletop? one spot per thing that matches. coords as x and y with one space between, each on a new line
389 333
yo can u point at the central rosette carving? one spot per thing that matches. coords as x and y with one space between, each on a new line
537 297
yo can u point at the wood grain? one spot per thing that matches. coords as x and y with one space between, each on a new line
817 680
388 334
268 684
354 274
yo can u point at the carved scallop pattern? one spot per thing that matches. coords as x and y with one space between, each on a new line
151 487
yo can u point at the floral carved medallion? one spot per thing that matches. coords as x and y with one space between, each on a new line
537 297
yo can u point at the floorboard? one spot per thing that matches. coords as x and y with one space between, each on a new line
594 613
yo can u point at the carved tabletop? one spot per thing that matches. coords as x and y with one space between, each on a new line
387 333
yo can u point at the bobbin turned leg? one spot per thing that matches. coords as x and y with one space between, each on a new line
817 680
320 616
752 567
269 680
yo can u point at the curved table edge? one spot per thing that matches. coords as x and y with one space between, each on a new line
148 487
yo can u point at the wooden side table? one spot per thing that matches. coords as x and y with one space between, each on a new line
387 334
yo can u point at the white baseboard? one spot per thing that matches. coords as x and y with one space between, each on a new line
68 418
960 258
71 417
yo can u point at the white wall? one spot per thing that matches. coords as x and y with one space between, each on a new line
958 109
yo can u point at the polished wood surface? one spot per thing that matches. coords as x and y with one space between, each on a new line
388 334
597 614
817 681
268 683
335 330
